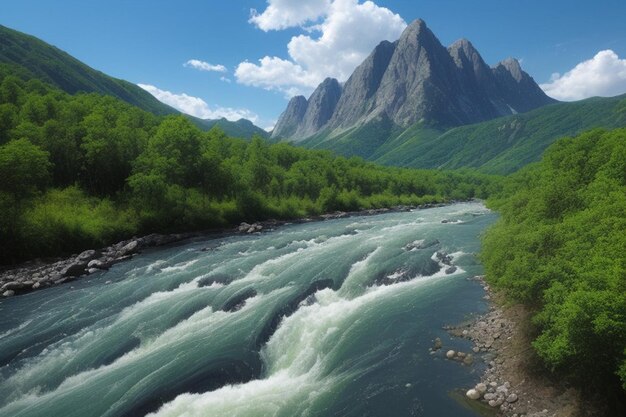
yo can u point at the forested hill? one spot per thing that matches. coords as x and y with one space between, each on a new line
50 64
241 128
81 171
560 247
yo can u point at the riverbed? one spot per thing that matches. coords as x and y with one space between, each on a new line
330 318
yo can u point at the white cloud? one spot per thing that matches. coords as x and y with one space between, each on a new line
603 75
332 47
225 79
270 126
283 14
197 107
204 66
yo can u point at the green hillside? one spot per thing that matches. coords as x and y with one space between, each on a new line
242 128
41 60
506 144
498 146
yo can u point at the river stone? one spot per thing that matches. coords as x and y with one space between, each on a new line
96 263
450 354
438 344
511 398
8 293
490 396
13 286
472 394
74 269
87 255
129 248
481 388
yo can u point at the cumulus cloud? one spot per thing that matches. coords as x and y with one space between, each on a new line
197 107
283 14
204 66
340 35
603 75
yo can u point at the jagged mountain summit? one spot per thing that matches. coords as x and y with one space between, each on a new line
414 79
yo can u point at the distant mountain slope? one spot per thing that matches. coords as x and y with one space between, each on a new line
497 146
414 79
242 128
58 68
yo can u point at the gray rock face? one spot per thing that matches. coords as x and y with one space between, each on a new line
517 89
357 99
321 106
414 79
292 117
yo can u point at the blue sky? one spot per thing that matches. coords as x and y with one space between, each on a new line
148 42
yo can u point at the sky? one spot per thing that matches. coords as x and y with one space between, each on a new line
246 58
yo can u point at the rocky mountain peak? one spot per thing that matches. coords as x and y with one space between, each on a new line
292 117
415 79
513 67
321 106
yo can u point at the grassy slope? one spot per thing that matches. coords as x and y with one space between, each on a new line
498 146
58 68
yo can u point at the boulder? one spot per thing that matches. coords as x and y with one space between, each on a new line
450 354
75 269
472 394
243 227
87 255
13 286
8 293
511 398
129 248
481 388
97 263
438 344
451 270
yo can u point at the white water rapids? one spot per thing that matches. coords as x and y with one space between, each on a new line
328 318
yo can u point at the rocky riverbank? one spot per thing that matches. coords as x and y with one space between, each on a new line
514 383
39 274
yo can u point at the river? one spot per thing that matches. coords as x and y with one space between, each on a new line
331 318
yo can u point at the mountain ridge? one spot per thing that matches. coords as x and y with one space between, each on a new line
417 79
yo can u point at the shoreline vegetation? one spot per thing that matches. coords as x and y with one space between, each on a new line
38 274
559 249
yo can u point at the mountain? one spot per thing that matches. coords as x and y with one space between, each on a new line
242 128
39 59
415 79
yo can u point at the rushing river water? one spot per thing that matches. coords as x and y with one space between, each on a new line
330 318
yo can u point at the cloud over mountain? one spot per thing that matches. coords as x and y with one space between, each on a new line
337 36
603 75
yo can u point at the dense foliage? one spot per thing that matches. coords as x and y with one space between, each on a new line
560 247
83 170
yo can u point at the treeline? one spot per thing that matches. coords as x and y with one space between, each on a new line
560 247
79 171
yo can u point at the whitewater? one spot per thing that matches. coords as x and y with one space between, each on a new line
329 318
